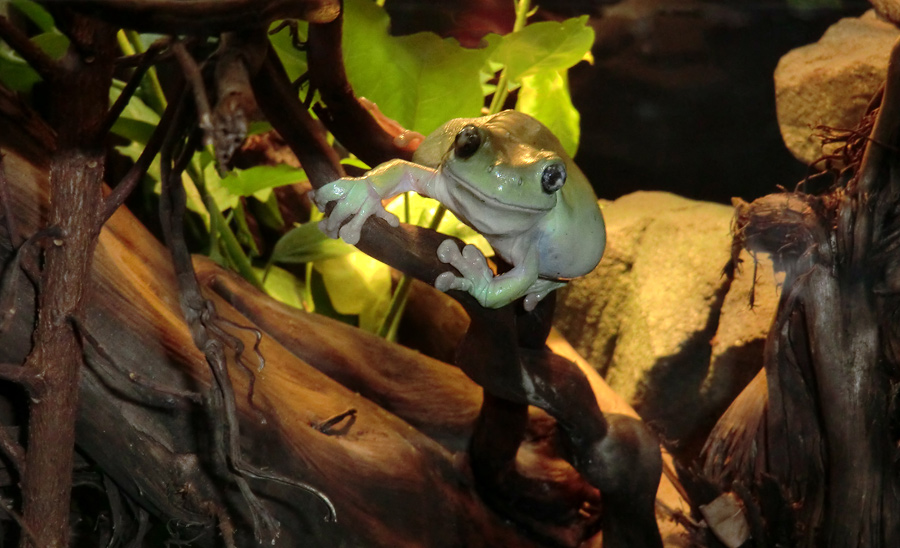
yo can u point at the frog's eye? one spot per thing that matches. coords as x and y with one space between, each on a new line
468 140
553 177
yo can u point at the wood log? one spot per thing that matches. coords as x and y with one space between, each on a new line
382 467
390 484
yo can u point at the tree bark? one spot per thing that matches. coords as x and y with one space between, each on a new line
393 469
76 177
822 425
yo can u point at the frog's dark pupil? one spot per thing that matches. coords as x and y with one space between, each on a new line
553 177
467 142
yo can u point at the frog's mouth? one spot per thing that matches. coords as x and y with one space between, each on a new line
494 202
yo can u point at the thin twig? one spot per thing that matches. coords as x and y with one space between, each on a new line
134 175
7 506
135 378
124 98
12 449
21 262
194 77
16 373
46 67
201 316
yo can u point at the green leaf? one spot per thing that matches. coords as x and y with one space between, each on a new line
358 285
246 182
137 120
545 96
281 285
294 60
544 46
16 74
422 210
306 243
224 199
52 42
34 11
420 80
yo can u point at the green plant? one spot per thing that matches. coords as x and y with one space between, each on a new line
420 80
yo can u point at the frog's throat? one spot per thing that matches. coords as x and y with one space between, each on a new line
490 199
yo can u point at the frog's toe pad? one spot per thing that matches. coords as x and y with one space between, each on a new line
448 253
445 281
323 226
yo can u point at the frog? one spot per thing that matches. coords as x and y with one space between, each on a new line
506 176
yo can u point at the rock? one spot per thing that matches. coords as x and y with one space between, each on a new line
658 319
887 9
830 82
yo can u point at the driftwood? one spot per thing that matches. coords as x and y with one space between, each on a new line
391 467
390 484
811 445
226 417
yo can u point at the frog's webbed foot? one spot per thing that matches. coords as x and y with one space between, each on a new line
477 278
357 200
538 291
476 274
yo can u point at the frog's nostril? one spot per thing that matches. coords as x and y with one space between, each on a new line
553 177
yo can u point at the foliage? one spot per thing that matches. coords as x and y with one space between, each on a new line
420 80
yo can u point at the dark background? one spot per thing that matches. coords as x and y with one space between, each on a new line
681 96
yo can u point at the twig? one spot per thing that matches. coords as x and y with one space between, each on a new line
293 30
146 61
134 175
327 425
204 17
135 378
7 506
345 117
194 77
11 447
201 316
16 373
46 67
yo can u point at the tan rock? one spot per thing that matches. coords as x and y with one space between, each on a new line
887 9
659 320
830 82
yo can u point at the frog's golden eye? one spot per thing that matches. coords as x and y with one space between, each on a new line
468 140
553 177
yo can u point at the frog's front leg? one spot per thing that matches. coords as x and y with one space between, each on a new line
479 281
358 198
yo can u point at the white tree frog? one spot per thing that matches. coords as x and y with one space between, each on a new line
506 176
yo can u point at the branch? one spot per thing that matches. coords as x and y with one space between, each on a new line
8 444
410 249
134 175
350 122
46 67
194 77
146 60
203 17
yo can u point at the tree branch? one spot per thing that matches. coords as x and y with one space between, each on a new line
145 62
350 122
134 175
203 17
47 68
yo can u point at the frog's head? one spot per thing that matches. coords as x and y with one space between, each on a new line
505 170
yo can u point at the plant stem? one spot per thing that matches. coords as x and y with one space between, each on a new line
522 7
